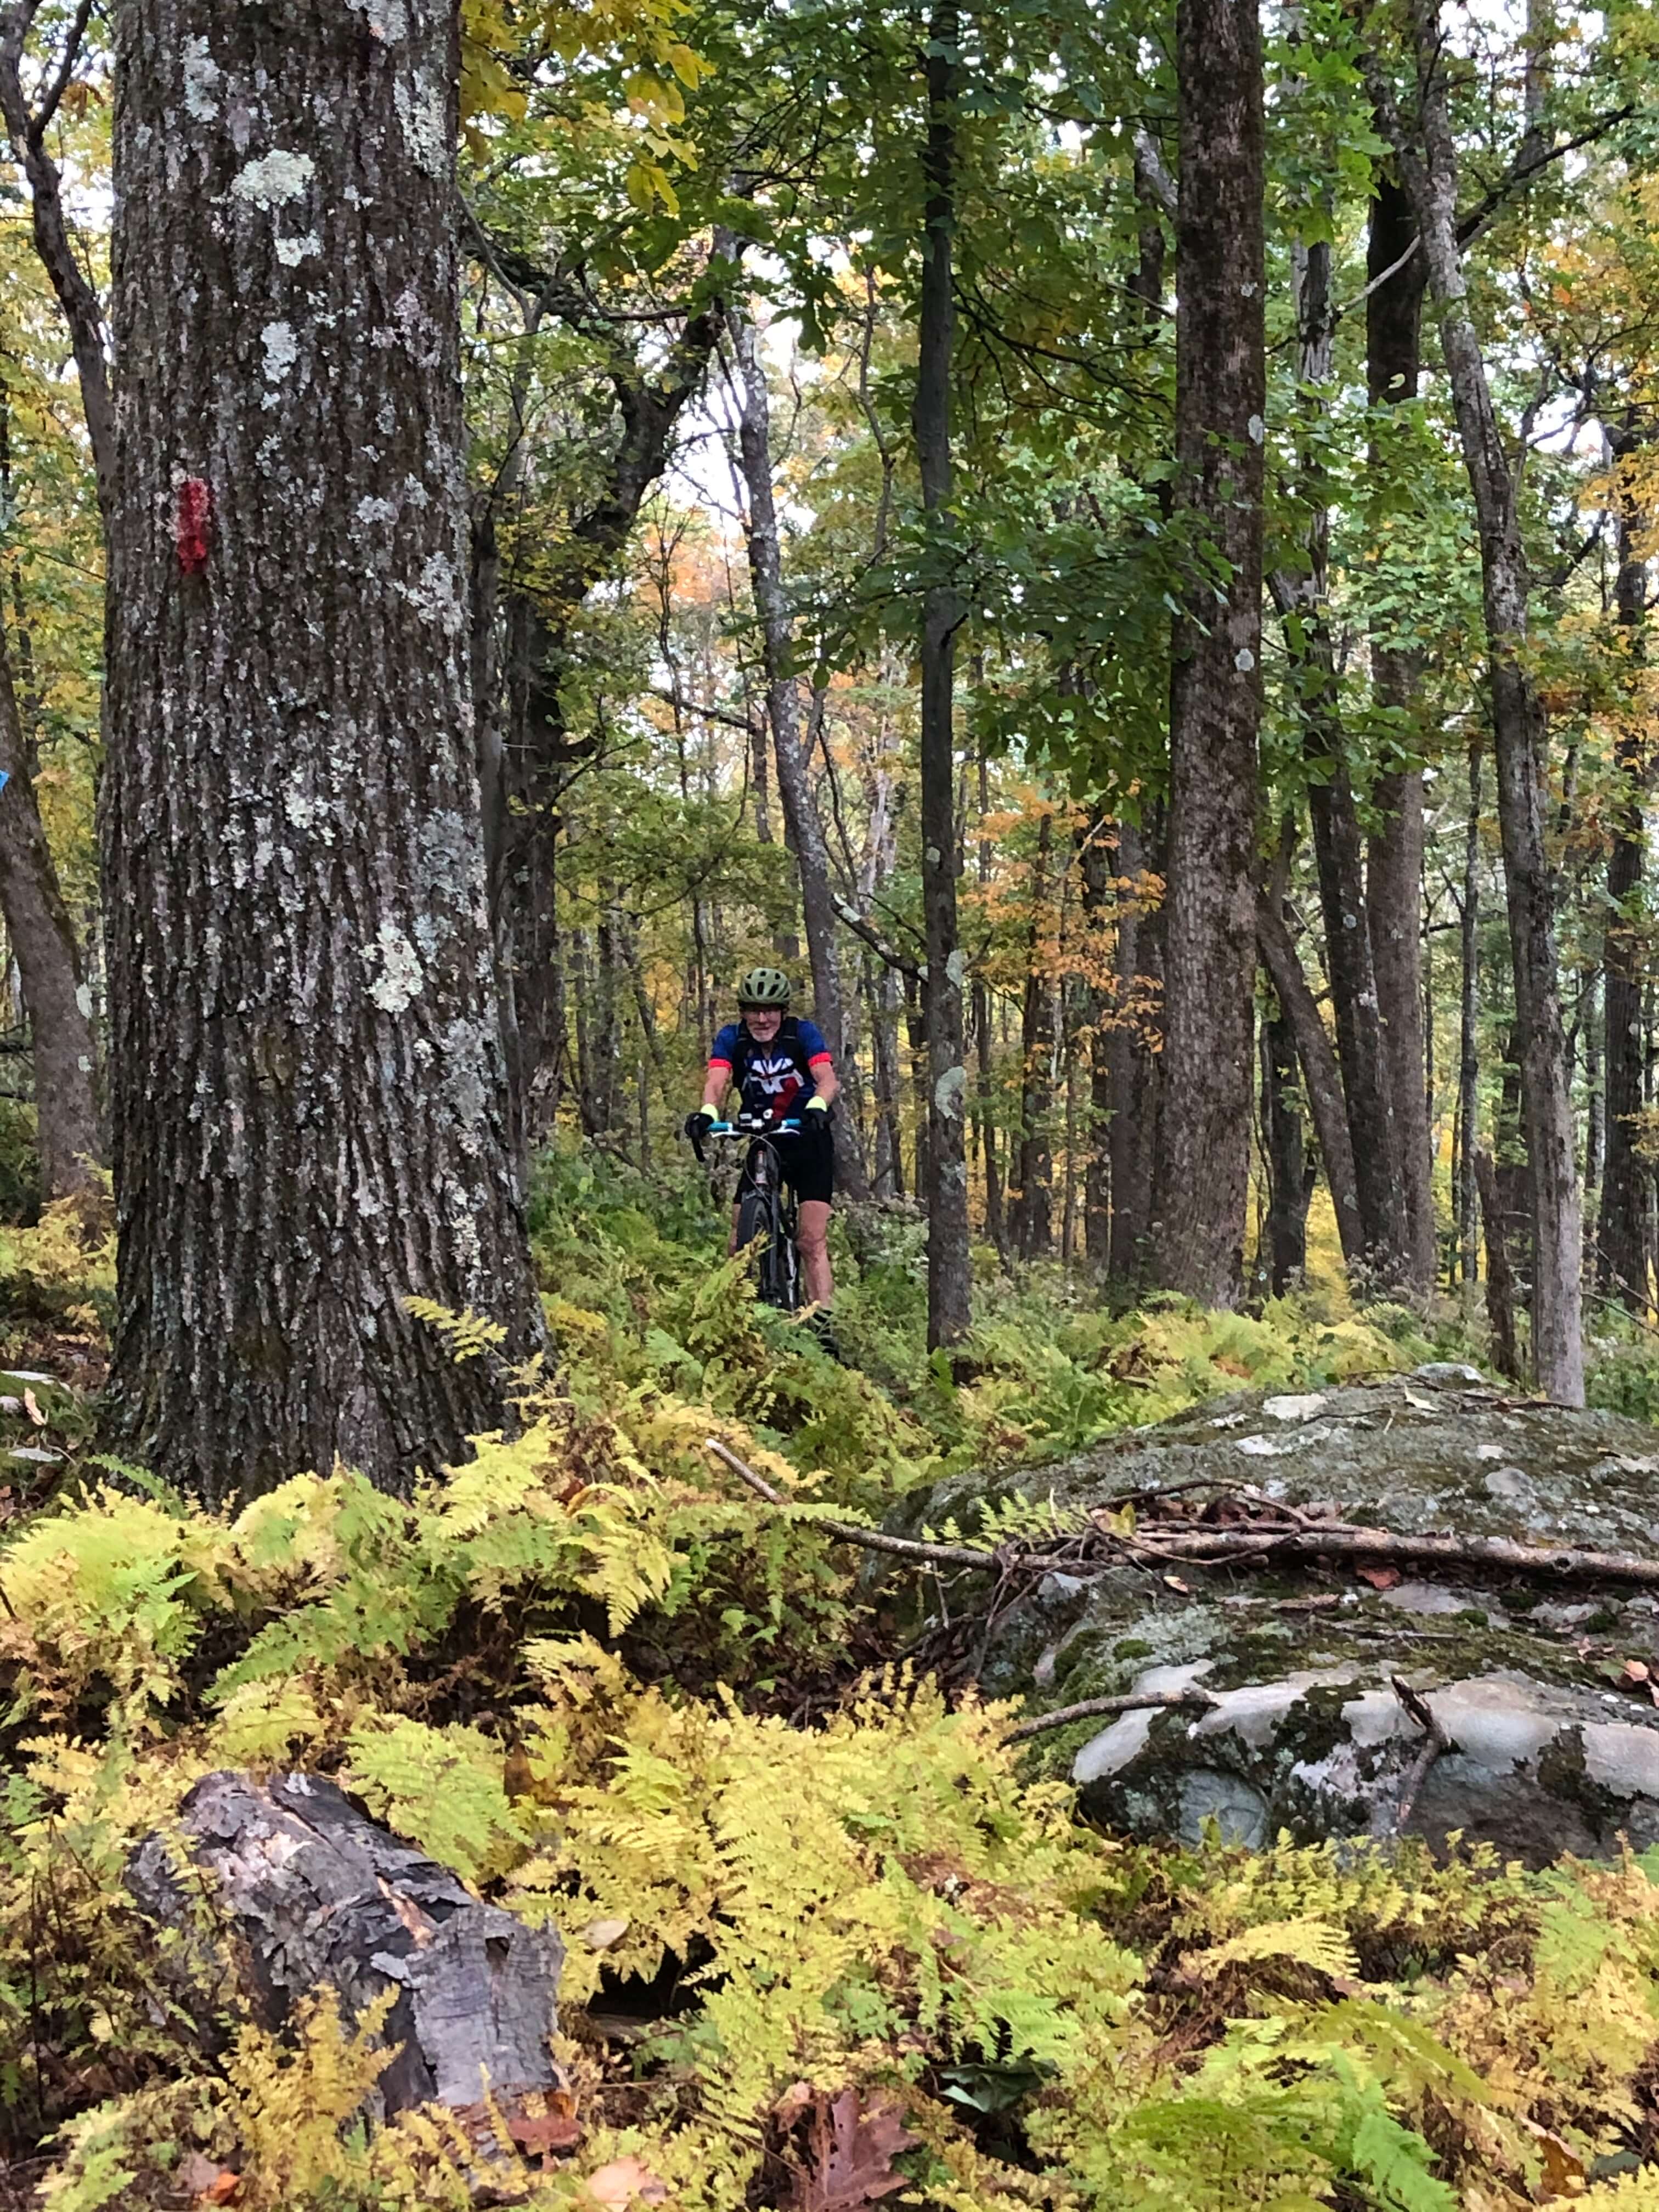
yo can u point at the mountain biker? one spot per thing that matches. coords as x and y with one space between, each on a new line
780 1067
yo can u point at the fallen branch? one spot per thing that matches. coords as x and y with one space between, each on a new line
848 1532
1092 1549
1340 1540
1435 1741
1087 1709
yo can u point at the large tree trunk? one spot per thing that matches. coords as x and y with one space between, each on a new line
800 807
1304 602
949 1279
1428 167
319 1899
48 960
1621 1244
1394 873
308 1097
1216 688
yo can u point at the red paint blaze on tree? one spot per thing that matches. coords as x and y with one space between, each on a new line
194 524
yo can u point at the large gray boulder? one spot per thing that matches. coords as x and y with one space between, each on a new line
1553 1736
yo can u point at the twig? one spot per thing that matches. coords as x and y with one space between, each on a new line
1435 1741
872 1539
1089 1709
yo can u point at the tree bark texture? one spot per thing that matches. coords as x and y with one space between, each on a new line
42 939
1394 873
1428 168
800 807
1216 686
1621 1243
950 1278
315 1897
309 1122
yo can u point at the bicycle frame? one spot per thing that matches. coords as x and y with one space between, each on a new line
762 1182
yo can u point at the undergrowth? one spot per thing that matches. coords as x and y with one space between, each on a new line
575 1670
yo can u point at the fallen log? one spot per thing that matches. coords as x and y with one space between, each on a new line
316 1896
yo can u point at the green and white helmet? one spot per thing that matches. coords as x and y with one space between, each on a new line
762 987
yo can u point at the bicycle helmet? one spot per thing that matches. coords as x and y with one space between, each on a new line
763 988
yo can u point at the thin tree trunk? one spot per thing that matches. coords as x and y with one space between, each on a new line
1099 1012
48 961
1134 1061
1033 1222
949 1280
996 1224
1289 1178
1216 686
309 1110
802 823
885 995
1321 1077
1621 1244
1468 1065
1394 869
1303 602
1428 167
1500 1277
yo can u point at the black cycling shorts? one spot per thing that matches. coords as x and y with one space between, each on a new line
808 1166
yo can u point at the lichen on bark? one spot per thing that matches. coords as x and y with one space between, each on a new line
308 1110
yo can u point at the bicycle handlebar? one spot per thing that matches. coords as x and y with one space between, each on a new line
790 1129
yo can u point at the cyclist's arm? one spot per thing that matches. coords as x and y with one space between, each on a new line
824 1082
718 1080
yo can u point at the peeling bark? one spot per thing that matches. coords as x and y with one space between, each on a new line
317 1897
309 1122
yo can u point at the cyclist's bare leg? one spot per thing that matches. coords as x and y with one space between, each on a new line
732 1242
812 1237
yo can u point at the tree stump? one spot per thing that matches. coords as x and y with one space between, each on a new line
318 1896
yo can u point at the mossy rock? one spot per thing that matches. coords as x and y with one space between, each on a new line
1555 1747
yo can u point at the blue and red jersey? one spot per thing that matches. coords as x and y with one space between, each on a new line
774 1080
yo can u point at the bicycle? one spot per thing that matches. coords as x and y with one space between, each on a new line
767 1215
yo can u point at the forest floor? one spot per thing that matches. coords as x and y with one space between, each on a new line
831 1937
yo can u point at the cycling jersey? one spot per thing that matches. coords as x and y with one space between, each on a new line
774 1080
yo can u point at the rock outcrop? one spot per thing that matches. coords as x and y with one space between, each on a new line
1541 1688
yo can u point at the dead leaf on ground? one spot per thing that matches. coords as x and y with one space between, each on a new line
600 1934
618 2184
31 1407
849 2156
208 2182
1563 2170
539 2134
1636 1671
1175 1583
1380 1579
